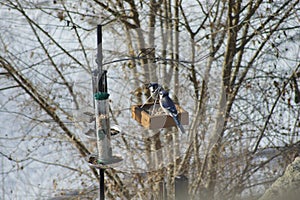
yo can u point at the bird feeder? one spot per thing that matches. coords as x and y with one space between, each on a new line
151 116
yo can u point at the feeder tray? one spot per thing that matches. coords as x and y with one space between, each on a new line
151 116
95 162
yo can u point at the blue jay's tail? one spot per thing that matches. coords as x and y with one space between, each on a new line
178 124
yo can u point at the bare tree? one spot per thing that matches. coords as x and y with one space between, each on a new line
233 65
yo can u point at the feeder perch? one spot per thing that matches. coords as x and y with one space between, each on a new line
151 116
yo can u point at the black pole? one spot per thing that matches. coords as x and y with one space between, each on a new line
101 184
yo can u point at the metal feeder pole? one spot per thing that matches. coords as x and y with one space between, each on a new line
104 159
101 112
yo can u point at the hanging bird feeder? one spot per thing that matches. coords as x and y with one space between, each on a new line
151 116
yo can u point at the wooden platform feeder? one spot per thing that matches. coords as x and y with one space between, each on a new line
151 116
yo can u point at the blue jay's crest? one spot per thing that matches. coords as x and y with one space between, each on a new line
154 88
152 85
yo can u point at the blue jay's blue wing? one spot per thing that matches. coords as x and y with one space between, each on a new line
168 104
169 108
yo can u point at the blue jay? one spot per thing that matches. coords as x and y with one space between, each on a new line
169 108
154 88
